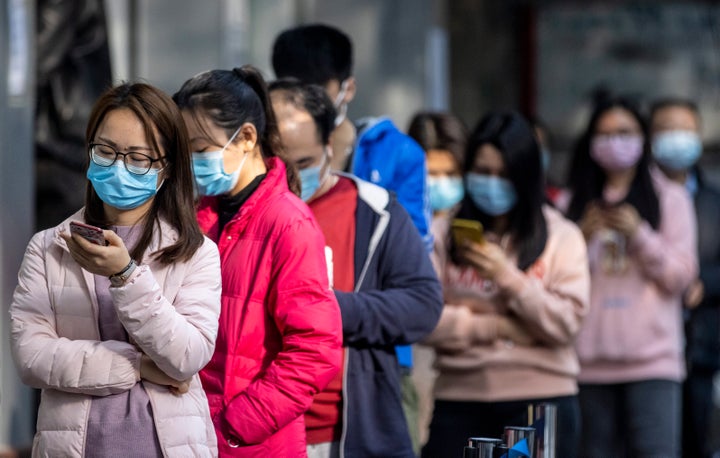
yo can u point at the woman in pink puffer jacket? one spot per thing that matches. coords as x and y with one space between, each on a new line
115 334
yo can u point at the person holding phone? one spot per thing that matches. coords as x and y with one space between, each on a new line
115 333
280 338
513 302
641 234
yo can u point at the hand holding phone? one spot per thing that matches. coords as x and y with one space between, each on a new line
90 233
488 258
101 253
467 230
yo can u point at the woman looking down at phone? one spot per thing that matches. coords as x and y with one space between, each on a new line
641 234
515 297
115 333
280 337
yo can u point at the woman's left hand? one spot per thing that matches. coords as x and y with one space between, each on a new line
624 219
487 258
100 260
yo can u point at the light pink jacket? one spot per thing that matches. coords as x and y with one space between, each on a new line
169 311
551 298
634 329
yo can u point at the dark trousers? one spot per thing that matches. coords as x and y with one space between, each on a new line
454 421
697 407
638 420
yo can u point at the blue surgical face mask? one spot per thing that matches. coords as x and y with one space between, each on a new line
493 195
209 171
677 150
309 181
121 189
311 178
445 192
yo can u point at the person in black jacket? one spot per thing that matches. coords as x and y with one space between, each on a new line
382 276
676 145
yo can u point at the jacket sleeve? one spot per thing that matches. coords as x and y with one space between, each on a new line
308 319
668 257
46 361
408 303
178 335
707 206
459 329
709 275
553 309
409 184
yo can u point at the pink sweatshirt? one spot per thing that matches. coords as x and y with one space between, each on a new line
634 328
551 298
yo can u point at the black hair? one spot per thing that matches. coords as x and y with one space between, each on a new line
231 98
538 124
310 98
674 102
314 54
511 134
587 179
444 131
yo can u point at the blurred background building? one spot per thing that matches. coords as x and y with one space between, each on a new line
545 58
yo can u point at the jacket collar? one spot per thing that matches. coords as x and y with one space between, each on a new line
275 183
378 200
374 196
371 128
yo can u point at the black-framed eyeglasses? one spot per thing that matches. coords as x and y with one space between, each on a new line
136 163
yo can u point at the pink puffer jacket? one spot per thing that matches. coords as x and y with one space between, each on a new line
280 337
170 311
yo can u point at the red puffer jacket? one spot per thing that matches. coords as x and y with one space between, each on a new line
280 334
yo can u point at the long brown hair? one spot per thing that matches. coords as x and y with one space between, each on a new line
166 132
233 97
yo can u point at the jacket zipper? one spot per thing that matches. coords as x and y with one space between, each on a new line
374 242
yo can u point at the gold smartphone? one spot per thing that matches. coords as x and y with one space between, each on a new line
467 229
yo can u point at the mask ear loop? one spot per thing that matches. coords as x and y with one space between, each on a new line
245 153
339 105
231 139
328 170
341 95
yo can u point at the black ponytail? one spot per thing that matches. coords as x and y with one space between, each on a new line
270 139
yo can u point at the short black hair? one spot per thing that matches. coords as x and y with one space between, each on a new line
314 54
674 102
310 98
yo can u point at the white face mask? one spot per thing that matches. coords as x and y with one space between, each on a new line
339 104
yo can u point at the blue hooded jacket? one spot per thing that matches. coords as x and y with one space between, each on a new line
392 160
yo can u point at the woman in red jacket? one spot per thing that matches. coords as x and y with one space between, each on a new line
280 334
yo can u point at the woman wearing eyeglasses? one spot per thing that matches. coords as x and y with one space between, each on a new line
115 334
